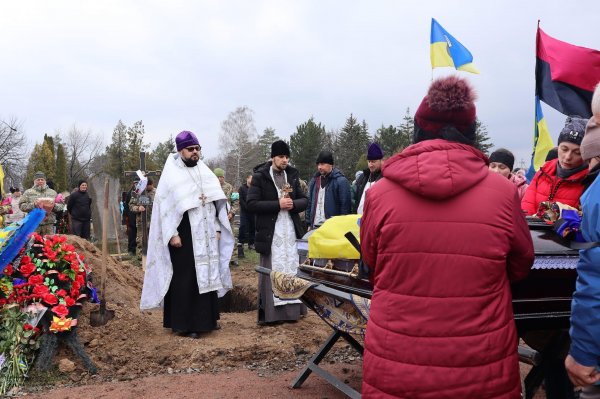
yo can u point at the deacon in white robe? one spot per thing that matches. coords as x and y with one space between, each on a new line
275 197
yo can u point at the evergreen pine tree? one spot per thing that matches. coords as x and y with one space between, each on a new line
482 139
305 144
406 131
61 169
263 145
115 154
352 142
388 139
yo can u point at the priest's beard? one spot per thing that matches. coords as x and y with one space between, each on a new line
189 162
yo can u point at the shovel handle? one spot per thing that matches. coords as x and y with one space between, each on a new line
104 241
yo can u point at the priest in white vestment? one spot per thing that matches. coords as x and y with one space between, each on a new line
190 243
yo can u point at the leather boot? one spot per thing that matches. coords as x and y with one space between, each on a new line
240 248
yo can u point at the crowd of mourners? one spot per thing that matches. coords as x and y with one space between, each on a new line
443 233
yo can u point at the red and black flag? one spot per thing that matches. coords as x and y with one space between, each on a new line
566 75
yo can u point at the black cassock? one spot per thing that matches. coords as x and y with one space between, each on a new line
185 310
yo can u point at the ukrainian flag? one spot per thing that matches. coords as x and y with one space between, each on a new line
542 142
446 51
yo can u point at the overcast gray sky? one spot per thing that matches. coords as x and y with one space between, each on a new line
186 64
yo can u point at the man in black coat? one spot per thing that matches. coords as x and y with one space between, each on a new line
80 209
275 197
246 233
369 176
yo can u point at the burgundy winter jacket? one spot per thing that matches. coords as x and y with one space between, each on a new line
443 238
546 186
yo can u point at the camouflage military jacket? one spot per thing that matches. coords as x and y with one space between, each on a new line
134 205
27 202
228 190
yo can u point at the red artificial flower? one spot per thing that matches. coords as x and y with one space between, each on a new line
75 266
67 248
76 285
61 310
8 270
61 292
27 327
2 302
35 279
25 259
50 299
80 278
27 269
69 301
40 290
63 277
74 293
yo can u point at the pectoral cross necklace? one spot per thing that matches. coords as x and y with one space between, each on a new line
198 180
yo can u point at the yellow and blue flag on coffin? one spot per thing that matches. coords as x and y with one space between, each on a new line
446 51
542 142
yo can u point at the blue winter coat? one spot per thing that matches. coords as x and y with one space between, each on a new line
337 196
585 308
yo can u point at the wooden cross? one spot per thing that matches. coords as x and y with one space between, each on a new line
147 173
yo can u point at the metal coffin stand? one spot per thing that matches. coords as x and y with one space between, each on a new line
310 299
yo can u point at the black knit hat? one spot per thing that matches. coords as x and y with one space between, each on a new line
504 156
573 131
280 147
325 157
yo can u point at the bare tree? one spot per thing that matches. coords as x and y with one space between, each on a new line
237 137
82 148
13 146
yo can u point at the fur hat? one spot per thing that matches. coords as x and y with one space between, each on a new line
573 131
39 175
280 147
325 157
186 139
590 144
504 156
374 152
219 172
449 104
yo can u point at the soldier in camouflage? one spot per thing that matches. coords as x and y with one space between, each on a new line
228 190
232 203
31 199
139 204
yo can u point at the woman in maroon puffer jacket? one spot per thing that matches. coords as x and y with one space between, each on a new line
443 238
560 180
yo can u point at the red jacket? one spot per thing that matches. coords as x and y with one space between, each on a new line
443 237
546 186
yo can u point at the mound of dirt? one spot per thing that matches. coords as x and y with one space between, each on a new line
134 344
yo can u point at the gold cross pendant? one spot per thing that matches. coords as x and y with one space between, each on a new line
286 190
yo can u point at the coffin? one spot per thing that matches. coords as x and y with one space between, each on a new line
541 301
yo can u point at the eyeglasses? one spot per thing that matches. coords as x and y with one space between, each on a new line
194 148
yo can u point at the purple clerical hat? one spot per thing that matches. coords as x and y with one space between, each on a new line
374 152
185 139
